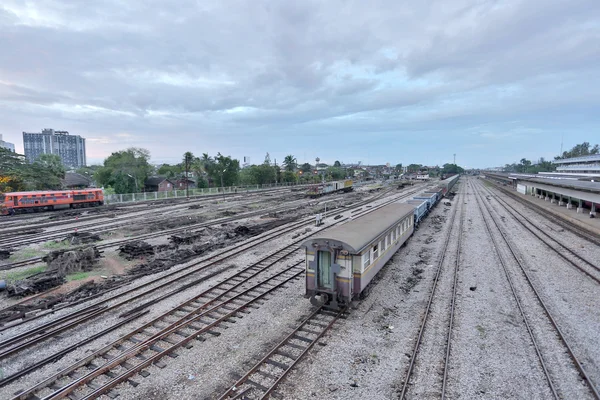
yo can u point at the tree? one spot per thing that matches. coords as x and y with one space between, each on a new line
337 164
334 173
125 170
449 169
170 171
306 168
188 158
46 173
580 150
414 167
289 176
224 169
12 171
290 163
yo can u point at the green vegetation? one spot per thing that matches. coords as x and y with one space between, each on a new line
525 166
54 245
44 174
78 276
20 275
125 171
25 254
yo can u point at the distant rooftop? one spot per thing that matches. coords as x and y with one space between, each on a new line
583 159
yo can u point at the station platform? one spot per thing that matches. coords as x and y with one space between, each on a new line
580 219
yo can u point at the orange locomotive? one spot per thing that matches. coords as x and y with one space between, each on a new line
11 203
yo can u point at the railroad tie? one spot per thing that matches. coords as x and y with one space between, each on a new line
278 364
267 374
256 385
286 354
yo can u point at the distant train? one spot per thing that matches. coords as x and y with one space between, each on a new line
342 261
330 187
19 202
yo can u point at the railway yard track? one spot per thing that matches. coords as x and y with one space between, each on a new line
553 377
33 337
434 296
262 379
563 223
587 267
8 239
482 314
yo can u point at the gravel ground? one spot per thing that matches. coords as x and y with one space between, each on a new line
486 320
547 224
382 329
570 296
11 365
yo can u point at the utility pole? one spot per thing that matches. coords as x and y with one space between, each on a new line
454 158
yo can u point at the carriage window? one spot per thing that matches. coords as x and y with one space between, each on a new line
366 260
393 235
387 241
375 251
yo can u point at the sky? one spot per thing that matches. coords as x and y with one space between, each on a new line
373 81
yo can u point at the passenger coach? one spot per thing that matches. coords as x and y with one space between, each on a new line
342 261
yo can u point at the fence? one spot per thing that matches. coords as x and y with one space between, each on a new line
174 194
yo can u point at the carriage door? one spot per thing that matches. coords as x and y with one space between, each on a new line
324 269
16 200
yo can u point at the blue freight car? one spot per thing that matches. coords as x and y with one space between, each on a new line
421 208
430 197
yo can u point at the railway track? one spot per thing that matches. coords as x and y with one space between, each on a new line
150 205
433 292
262 379
588 268
33 337
152 235
110 224
194 320
571 227
538 298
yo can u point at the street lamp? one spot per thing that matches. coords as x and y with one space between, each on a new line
135 181
222 186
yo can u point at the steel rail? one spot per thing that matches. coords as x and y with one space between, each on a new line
578 365
453 302
314 323
419 339
514 211
573 228
514 292
146 345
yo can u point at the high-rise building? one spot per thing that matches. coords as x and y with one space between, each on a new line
6 145
70 148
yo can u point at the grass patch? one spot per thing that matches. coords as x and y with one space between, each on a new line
53 245
25 254
78 276
20 275
481 330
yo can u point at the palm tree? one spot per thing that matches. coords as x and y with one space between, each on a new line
290 163
188 159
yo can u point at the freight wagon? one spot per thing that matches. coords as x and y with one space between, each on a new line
421 208
330 187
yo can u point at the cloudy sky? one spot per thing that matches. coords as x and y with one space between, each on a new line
373 81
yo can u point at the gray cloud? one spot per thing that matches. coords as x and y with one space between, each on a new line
249 77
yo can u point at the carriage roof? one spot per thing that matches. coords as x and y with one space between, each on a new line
355 235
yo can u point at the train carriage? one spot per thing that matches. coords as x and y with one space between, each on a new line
342 261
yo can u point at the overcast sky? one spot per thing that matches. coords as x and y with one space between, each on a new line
373 81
